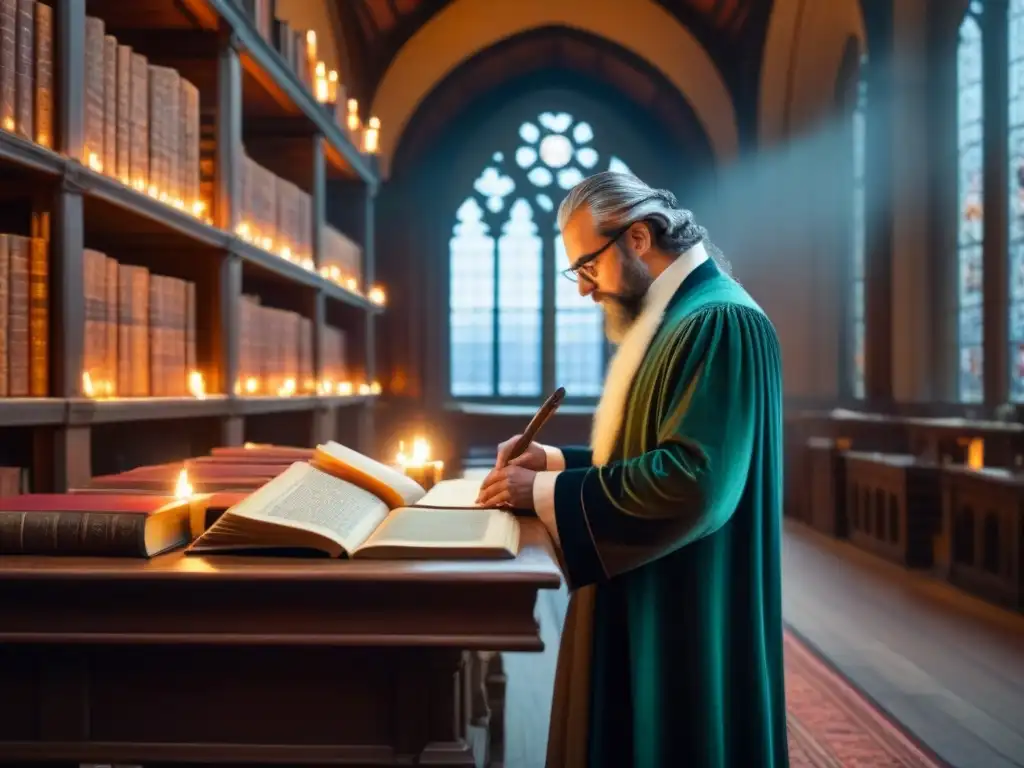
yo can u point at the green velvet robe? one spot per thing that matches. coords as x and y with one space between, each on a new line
671 653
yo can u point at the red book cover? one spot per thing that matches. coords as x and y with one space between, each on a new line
66 502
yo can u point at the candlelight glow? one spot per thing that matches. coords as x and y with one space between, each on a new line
352 120
197 385
352 284
320 86
371 137
94 162
375 388
87 386
307 263
976 453
252 384
420 453
198 208
344 387
250 446
43 139
286 253
287 389
183 488
376 295
9 123
332 87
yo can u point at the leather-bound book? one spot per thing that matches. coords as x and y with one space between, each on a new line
5 269
157 335
190 328
123 132
138 97
92 146
111 323
111 525
262 452
110 105
24 69
39 317
139 333
44 75
18 384
125 363
8 63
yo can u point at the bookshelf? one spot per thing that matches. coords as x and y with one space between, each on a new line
251 107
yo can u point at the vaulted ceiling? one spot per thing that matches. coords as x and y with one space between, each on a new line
373 31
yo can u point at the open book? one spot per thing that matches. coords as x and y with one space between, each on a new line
344 503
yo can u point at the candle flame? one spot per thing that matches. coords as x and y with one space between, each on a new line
197 385
251 385
87 386
376 295
344 387
183 488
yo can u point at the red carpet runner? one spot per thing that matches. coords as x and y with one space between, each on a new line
831 724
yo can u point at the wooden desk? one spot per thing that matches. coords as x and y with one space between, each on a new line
231 659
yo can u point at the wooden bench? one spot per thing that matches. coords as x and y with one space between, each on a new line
983 533
893 506
826 485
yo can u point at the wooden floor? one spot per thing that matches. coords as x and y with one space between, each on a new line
946 666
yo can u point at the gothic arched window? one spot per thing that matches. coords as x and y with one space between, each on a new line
857 302
971 177
517 329
1015 24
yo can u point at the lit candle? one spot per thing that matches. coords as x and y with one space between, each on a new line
197 385
352 119
183 488
332 87
376 295
321 83
371 137
418 466
87 387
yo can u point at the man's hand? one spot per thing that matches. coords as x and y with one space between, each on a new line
533 457
510 486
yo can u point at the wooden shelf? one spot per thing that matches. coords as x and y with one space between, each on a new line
216 45
266 64
83 411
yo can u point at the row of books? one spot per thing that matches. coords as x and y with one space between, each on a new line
141 121
341 259
24 316
274 214
26 69
276 352
140 330
361 508
296 47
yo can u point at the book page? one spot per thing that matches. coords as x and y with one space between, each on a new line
304 497
452 494
387 483
444 528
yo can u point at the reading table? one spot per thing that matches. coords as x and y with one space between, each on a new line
185 659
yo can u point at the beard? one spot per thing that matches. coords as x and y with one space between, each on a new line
622 309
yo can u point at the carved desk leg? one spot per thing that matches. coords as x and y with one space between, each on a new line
495 684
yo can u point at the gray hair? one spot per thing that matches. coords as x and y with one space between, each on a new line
617 200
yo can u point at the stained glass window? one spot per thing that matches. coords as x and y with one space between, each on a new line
1015 24
969 130
859 228
504 252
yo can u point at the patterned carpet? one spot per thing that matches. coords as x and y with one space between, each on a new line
831 724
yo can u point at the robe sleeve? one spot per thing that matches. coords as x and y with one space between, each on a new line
706 396
577 457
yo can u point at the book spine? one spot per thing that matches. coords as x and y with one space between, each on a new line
190 328
110 105
124 330
172 118
140 332
92 148
91 349
8 63
110 268
39 317
157 180
139 142
156 331
190 172
24 65
44 74
18 384
123 119
4 299
98 534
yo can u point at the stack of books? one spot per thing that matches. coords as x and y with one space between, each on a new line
332 355
141 122
341 260
294 45
140 330
330 500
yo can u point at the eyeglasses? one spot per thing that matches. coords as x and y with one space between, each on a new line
584 267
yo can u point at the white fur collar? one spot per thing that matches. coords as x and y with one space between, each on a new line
632 351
